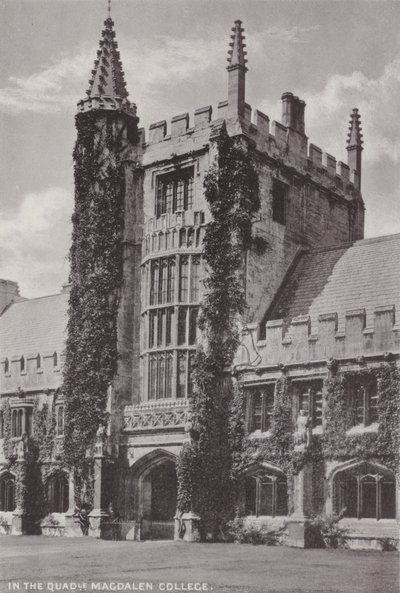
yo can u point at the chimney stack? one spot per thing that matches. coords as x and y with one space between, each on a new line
293 112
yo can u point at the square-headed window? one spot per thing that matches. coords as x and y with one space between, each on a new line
261 406
174 191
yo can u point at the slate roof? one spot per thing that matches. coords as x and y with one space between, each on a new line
363 275
35 325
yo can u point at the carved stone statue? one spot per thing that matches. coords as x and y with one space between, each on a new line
22 447
101 438
302 436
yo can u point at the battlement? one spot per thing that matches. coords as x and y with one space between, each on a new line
285 140
294 343
31 371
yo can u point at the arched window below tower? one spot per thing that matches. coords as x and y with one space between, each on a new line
57 493
365 492
7 492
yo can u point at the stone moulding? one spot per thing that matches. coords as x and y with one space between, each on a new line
156 415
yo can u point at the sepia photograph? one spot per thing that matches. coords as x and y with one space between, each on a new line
200 296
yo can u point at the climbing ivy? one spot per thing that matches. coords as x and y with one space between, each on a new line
383 445
95 277
207 465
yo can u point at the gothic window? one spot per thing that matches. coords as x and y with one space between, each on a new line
16 423
161 326
365 492
171 280
181 375
261 405
279 197
190 373
60 420
182 320
162 283
38 361
193 314
174 192
266 495
364 402
7 492
153 376
22 364
57 493
154 283
152 326
55 359
6 366
195 280
169 362
310 400
168 329
183 279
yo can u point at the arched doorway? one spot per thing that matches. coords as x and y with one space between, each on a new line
157 488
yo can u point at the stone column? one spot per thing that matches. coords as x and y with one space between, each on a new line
20 518
99 514
299 522
72 528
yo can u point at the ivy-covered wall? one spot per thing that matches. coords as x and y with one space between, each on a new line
205 467
96 258
383 445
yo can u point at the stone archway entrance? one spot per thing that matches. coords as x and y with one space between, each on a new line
158 488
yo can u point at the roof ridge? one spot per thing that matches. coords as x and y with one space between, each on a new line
46 296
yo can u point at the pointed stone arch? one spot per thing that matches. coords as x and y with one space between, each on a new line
150 493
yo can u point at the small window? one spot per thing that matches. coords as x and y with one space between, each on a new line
7 492
365 492
6 366
57 494
1 424
55 359
310 400
174 192
38 361
266 495
60 420
22 364
279 193
364 402
261 407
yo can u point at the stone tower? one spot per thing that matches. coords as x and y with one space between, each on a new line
101 365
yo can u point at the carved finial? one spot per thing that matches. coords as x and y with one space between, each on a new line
354 147
354 138
237 55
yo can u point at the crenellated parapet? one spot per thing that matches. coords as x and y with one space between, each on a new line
299 342
35 371
286 143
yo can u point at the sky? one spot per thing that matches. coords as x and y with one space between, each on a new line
335 55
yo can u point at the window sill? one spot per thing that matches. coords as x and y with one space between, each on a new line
39 371
361 429
257 434
23 373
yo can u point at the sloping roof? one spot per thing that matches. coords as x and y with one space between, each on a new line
35 325
363 275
